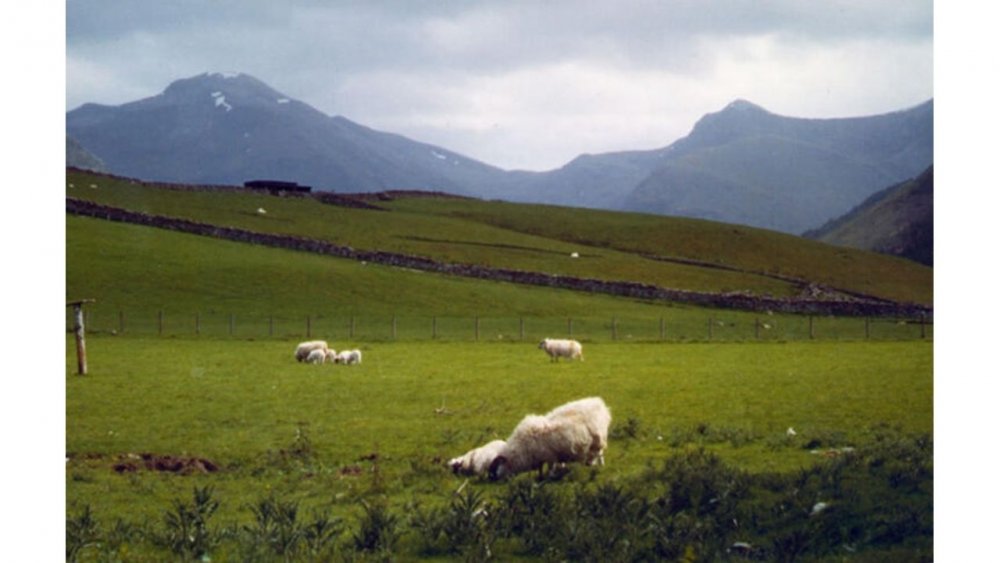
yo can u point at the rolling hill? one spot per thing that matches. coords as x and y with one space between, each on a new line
557 242
898 220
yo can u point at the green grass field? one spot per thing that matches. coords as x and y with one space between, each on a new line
190 345
245 404
611 245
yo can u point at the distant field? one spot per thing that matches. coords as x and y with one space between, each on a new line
541 238
147 280
246 405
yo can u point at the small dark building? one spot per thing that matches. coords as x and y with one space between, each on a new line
276 186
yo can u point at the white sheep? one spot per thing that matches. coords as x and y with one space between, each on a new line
348 357
558 348
574 432
303 349
261 211
317 356
478 460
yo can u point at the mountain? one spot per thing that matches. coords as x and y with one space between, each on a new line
749 166
79 157
226 129
741 165
898 220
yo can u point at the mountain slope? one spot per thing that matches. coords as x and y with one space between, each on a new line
898 220
746 165
79 157
225 129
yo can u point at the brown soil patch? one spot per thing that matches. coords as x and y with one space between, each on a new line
172 464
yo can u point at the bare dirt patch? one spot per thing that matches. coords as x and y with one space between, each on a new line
131 463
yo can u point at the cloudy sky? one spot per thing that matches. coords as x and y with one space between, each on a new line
518 84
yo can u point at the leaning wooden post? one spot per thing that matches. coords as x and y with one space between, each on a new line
81 344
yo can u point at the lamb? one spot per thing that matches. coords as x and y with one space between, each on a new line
321 355
574 432
556 348
348 357
303 349
478 460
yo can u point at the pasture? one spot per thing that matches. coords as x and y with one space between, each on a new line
332 437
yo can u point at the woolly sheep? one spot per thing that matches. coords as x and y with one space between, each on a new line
317 356
303 349
348 357
574 432
557 348
478 460
261 211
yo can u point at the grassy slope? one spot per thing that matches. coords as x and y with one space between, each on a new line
541 238
737 246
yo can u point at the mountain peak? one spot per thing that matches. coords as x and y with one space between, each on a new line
740 104
225 86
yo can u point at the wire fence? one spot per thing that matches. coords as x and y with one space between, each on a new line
723 326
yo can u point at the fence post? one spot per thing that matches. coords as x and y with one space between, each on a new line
756 328
78 331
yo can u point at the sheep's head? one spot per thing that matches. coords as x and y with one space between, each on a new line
498 468
541 345
456 465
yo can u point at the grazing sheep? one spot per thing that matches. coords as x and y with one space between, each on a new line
557 348
303 349
476 461
261 211
317 356
348 357
574 432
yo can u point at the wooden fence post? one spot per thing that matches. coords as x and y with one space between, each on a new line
78 331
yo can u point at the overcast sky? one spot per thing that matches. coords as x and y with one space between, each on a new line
518 84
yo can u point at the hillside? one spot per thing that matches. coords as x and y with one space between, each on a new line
679 254
898 220
740 165
748 166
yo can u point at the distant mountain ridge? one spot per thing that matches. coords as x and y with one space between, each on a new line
742 164
898 220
